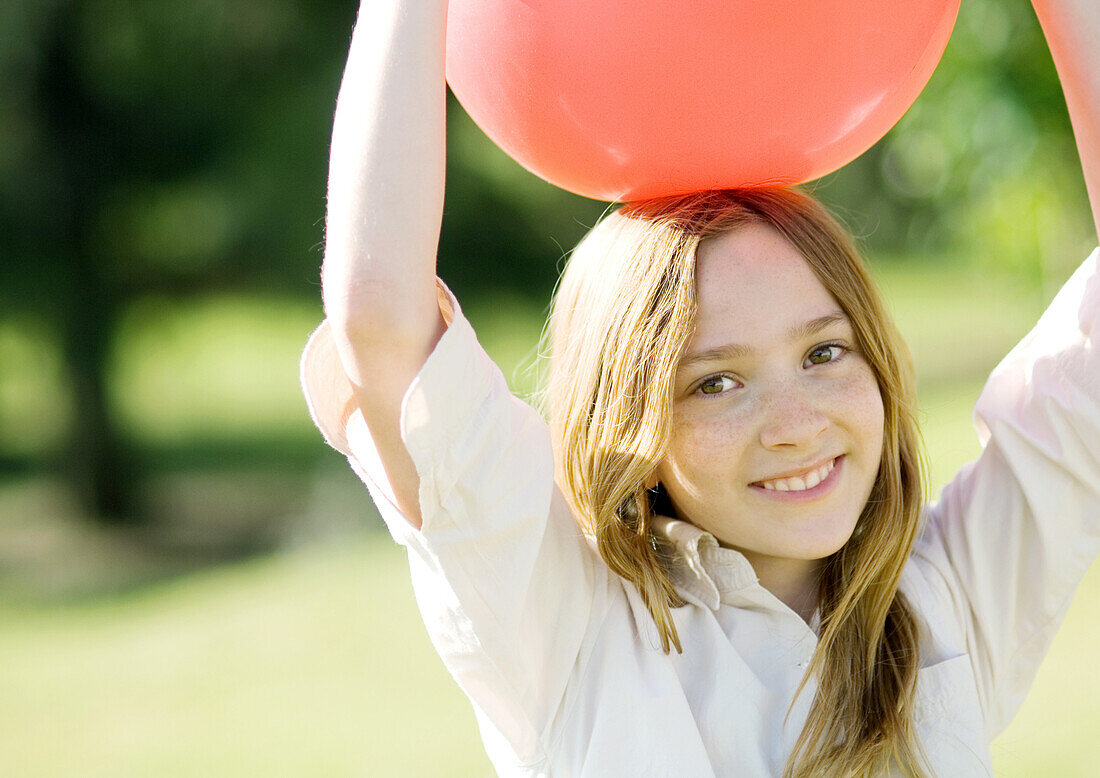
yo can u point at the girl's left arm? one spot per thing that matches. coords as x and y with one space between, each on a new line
1015 531
1072 29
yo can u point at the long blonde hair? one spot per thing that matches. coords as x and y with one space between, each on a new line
623 313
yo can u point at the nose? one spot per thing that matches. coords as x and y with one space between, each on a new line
792 418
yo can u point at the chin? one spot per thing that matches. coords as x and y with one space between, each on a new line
820 545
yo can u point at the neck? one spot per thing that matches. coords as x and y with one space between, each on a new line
792 581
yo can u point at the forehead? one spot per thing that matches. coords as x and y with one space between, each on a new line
752 285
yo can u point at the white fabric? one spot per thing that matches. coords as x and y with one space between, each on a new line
560 657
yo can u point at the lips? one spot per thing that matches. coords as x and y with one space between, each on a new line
820 470
803 495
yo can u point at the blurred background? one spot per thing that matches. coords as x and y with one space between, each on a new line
191 583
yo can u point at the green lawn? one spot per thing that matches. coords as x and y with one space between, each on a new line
309 664
314 662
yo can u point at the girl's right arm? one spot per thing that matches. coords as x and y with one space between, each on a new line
461 471
385 206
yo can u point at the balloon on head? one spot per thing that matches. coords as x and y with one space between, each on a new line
632 99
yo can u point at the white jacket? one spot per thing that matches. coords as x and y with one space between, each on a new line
559 656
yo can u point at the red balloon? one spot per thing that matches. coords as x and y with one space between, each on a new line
632 99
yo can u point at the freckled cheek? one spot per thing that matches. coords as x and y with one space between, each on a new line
702 444
858 403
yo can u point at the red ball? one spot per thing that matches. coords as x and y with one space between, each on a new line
621 100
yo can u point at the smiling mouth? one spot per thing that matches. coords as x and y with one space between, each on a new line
809 485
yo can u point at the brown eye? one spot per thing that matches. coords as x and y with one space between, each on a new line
824 353
715 385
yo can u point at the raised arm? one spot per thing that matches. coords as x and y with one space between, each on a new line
1015 531
1072 29
385 206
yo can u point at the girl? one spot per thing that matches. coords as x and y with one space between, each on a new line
714 560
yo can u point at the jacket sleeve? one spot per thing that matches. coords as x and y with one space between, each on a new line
1016 530
503 576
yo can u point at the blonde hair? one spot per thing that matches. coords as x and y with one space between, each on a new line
621 318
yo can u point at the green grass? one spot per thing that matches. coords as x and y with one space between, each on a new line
310 664
957 320
315 664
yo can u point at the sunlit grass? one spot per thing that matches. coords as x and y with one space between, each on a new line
310 664
223 367
315 663
35 409
957 320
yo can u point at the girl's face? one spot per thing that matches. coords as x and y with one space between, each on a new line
771 394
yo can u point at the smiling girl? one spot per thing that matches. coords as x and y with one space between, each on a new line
713 557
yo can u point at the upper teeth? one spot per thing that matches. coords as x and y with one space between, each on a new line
801 483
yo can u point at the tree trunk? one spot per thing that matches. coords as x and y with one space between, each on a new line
98 464
100 467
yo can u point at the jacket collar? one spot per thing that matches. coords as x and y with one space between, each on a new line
705 573
702 571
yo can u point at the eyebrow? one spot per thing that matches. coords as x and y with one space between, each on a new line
738 351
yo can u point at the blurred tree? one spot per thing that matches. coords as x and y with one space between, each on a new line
151 147
983 167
